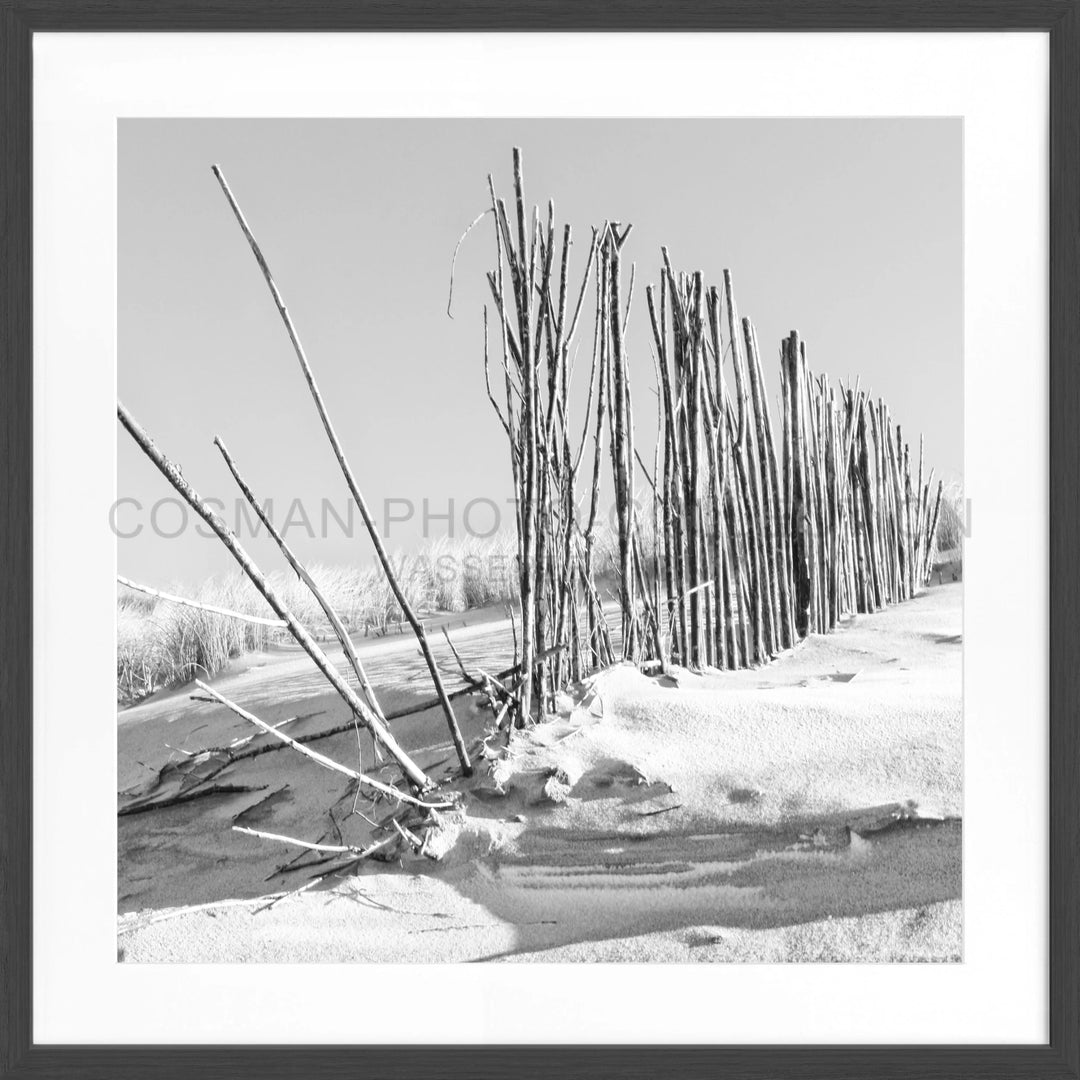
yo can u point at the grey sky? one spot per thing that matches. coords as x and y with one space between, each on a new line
848 230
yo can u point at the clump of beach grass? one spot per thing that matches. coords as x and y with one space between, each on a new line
161 643
471 572
950 529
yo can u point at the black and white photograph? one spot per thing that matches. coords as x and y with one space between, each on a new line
540 540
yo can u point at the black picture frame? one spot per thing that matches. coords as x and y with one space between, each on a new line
19 1055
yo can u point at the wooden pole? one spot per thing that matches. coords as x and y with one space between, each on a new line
931 541
350 479
920 511
760 493
799 537
522 280
869 509
715 414
908 522
774 530
301 572
623 465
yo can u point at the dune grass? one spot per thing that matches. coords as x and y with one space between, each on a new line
950 528
162 644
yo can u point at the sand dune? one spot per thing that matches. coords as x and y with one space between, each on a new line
809 810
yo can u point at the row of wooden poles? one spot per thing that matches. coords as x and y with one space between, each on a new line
760 533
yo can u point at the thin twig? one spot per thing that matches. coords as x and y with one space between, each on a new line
453 262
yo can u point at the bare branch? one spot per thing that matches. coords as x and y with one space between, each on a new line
453 262
199 605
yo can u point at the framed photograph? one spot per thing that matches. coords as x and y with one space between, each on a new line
540 540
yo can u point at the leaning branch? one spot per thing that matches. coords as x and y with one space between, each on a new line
301 572
350 479
198 605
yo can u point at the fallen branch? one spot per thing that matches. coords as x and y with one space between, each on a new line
139 923
258 620
408 836
237 743
344 849
296 892
662 810
339 729
197 791
501 717
457 656
358 855
320 759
